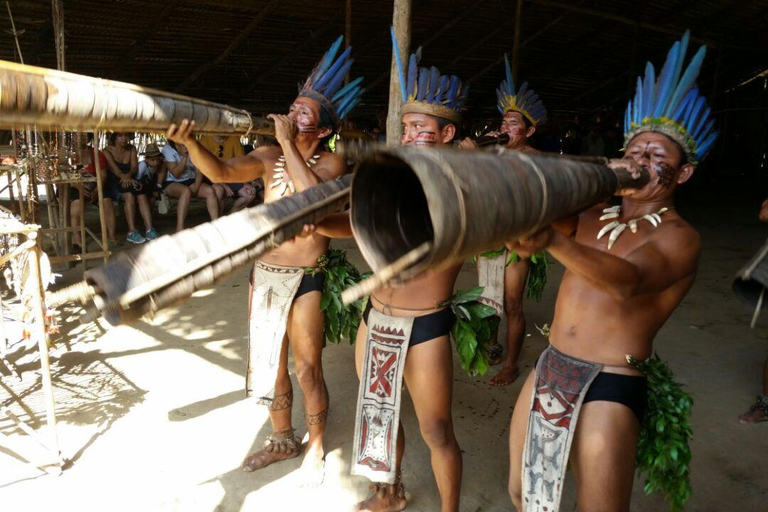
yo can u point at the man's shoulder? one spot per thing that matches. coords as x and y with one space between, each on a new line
678 231
331 158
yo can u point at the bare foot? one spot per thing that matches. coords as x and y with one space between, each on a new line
506 376
276 448
386 498
495 353
757 412
313 468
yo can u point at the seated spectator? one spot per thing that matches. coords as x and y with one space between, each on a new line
225 148
144 192
123 165
90 195
183 182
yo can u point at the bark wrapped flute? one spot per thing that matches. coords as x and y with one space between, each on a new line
53 99
461 203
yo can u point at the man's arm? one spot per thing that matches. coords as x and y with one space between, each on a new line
235 170
302 176
337 225
653 267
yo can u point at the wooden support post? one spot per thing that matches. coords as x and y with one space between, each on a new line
42 344
100 193
348 26
401 20
13 31
83 239
58 34
516 44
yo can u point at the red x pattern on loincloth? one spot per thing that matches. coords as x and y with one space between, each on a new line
382 372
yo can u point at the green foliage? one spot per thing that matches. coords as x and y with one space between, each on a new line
340 321
472 331
662 449
537 277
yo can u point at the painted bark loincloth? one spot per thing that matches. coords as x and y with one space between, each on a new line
560 384
490 275
274 288
378 400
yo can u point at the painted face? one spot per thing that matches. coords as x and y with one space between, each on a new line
663 157
421 130
306 113
657 152
513 125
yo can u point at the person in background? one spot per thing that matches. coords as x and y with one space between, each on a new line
144 193
85 158
225 148
122 164
758 411
183 182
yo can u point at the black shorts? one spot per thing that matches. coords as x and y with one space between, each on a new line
426 327
186 183
629 390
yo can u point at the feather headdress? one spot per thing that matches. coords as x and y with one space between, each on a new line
673 104
325 83
426 91
524 100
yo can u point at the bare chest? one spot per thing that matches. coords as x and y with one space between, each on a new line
278 182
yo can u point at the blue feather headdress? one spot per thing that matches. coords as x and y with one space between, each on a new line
426 91
524 100
324 84
673 104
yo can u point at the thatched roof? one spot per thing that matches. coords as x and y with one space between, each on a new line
578 55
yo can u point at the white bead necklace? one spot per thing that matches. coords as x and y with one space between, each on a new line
616 228
279 178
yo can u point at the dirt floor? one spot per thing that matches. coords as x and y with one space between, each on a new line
153 416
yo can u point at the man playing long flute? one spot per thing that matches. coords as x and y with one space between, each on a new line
406 331
503 276
627 269
284 305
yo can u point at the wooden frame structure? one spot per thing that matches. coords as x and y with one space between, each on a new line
27 254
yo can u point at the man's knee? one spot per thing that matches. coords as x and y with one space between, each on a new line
128 197
310 375
437 433
185 194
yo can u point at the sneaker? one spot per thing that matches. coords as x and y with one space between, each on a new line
135 238
151 234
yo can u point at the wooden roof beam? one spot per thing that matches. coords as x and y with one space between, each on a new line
129 62
308 42
522 44
236 42
619 19
432 38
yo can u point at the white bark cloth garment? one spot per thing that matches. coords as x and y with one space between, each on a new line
377 415
560 385
490 275
274 288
